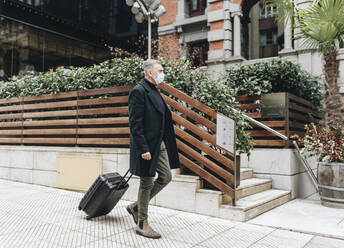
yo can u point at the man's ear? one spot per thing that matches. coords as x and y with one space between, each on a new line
149 73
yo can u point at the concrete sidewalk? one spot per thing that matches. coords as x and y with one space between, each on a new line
33 216
307 216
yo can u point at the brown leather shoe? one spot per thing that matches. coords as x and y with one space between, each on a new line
132 209
145 230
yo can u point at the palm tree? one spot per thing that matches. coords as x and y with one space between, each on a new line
320 26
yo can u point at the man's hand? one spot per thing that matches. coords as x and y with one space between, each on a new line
146 156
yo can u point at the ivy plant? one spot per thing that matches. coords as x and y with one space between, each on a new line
275 76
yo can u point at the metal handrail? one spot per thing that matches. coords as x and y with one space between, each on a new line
307 166
299 153
261 125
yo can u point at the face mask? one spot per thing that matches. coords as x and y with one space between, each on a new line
160 78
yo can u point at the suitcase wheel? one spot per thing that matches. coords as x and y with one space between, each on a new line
79 208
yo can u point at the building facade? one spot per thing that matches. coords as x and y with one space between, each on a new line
44 34
228 32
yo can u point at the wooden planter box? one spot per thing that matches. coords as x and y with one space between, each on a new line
284 112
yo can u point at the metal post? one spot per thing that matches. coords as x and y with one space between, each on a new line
149 36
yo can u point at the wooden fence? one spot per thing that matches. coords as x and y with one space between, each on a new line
284 112
72 118
99 117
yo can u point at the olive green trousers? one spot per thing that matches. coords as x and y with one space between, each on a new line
150 187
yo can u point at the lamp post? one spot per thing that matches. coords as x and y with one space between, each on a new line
150 10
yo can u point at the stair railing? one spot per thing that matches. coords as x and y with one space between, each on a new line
299 152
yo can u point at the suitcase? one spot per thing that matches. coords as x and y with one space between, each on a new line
104 194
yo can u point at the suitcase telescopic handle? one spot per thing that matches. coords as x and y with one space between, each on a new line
123 179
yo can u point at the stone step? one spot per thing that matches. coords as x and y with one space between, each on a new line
254 205
246 173
252 186
186 178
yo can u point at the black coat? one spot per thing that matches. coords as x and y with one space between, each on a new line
146 134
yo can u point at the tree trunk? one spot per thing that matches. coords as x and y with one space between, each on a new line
334 102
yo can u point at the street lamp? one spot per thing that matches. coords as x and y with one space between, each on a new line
150 9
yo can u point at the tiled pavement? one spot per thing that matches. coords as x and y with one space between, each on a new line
33 216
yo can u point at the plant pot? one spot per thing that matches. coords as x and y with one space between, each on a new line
331 184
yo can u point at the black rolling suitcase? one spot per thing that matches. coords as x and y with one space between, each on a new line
104 194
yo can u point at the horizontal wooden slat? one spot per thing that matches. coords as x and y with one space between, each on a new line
100 141
60 141
191 114
206 162
247 98
71 94
10 140
10 124
110 90
50 105
117 130
254 115
61 131
249 106
300 133
271 143
297 125
11 100
103 111
69 122
11 116
206 175
300 100
301 117
205 148
270 124
189 100
100 101
264 133
50 114
11 132
11 108
104 121
294 106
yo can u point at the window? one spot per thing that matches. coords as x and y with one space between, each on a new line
268 37
197 7
268 11
198 53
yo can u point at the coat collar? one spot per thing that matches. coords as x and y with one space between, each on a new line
149 90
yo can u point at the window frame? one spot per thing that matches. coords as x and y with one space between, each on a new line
200 10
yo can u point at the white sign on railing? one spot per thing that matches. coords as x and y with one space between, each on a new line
225 133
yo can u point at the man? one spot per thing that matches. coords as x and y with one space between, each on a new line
153 145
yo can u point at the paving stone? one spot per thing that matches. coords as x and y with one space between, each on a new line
105 243
194 234
322 242
107 226
164 242
128 237
284 239
73 239
234 238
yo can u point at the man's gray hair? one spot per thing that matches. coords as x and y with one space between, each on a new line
149 64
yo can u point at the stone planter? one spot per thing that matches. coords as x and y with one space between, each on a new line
331 184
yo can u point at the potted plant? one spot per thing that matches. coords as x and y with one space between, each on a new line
327 143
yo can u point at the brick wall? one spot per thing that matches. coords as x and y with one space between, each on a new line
171 7
169 46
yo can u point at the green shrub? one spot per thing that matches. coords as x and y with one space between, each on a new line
274 76
118 72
